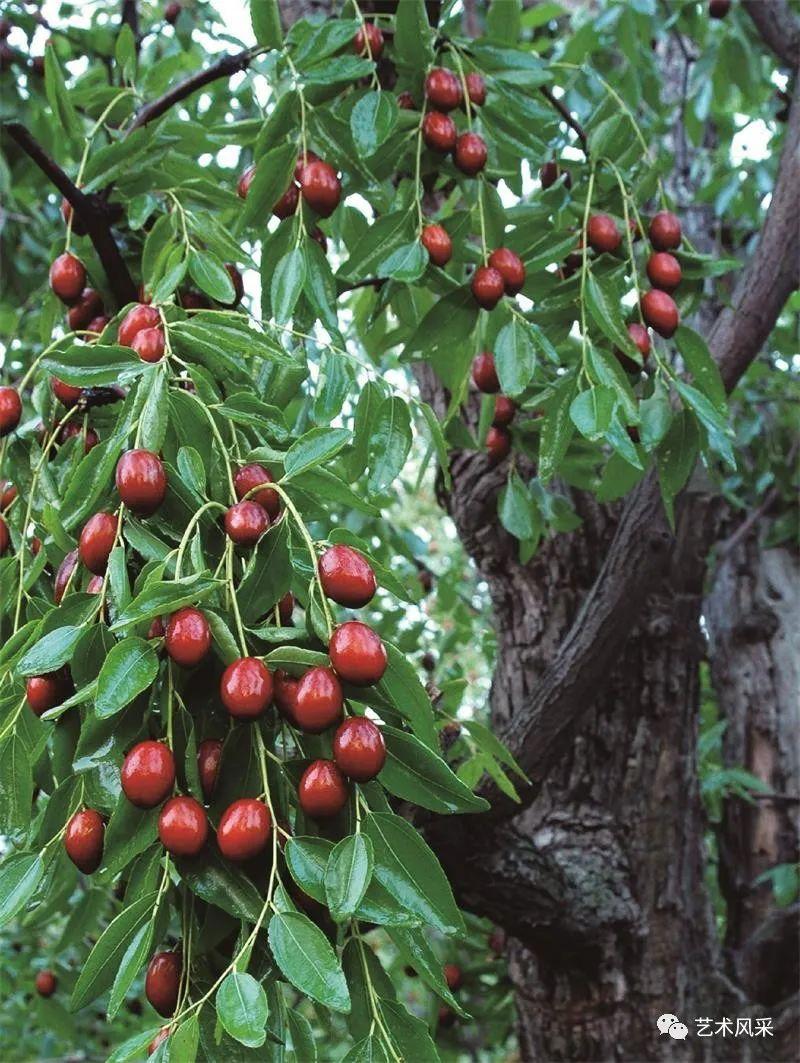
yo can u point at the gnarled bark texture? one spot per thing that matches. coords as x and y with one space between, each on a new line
752 611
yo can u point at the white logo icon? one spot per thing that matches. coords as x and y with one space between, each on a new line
672 1025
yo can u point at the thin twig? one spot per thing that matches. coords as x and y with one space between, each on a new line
91 209
568 117
225 67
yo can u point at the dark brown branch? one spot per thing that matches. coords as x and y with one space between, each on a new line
643 541
568 117
91 209
368 282
225 67
130 16
777 27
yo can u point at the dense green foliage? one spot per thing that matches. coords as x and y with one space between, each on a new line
339 931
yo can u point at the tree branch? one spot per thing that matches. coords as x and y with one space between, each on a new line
643 541
91 209
130 17
568 117
225 67
777 27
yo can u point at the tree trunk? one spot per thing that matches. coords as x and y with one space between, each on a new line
620 818
752 614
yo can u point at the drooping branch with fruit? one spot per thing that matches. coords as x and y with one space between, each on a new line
205 670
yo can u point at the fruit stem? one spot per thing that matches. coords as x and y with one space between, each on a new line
232 593
376 1016
189 528
418 169
463 79
170 696
299 90
312 552
220 442
585 265
628 234
374 83
186 243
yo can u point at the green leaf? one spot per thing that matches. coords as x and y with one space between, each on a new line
182 1044
268 575
406 263
415 773
438 442
676 458
165 596
611 374
307 860
656 417
695 353
303 1044
369 1049
407 868
16 784
409 1034
58 96
130 668
242 1009
604 306
347 876
401 686
343 68
313 448
515 357
273 174
20 875
372 120
210 275
307 960
717 429
100 968
155 413
415 951
94 365
413 36
287 283
265 16
617 436
391 443
132 963
125 52
135 1046
50 652
591 411
448 322
216 882
516 509
503 21
557 429
376 243
130 831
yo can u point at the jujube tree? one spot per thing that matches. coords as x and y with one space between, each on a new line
271 299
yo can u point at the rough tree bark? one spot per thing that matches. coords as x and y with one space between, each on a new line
752 614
